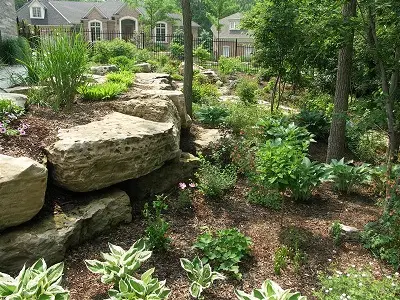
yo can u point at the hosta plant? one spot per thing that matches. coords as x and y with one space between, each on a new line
270 290
119 263
145 288
200 275
346 176
34 283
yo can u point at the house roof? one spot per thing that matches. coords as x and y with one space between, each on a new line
71 12
226 33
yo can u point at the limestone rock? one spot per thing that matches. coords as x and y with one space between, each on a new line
144 67
102 70
50 237
17 99
22 189
118 147
153 81
211 75
163 179
349 233
206 138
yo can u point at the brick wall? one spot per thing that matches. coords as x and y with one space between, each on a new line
8 23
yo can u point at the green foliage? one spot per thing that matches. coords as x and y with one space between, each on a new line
13 50
246 90
336 233
143 55
370 146
211 115
177 51
157 227
123 77
215 181
9 111
229 65
280 259
201 54
123 63
316 122
265 197
34 283
355 284
60 63
218 9
105 50
204 93
200 275
224 250
103 91
346 176
269 290
119 263
145 288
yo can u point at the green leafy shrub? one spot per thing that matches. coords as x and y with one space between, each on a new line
123 77
177 51
60 64
119 263
269 291
104 50
34 283
318 102
204 93
13 50
9 112
123 63
103 91
355 284
211 115
145 288
246 90
215 181
201 54
224 250
265 197
346 176
316 122
370 146
157 227
229 65
200 275
143 55
336 233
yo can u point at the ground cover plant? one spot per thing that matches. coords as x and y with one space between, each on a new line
9 115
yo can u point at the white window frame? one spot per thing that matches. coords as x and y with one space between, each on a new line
90 30
36 8
224 48
127 18
165 34
233 25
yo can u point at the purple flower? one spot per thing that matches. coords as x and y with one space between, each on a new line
1 125
21 131
192 185
3 130
24 126
182 185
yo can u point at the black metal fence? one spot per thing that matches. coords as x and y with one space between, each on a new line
207 51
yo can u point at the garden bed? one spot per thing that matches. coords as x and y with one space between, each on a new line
259 223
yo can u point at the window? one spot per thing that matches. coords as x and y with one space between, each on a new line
233 25
161 32
226 51
95 30
36 12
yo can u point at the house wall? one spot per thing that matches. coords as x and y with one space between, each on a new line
8 23
95 15
237 47
127 12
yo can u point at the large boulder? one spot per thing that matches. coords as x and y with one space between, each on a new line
22 189
51 236
153 81
163 179
17 99
118 147
102 70
144 67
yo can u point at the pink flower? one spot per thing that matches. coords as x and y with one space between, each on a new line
192 185
25 126
3 130
21 131
182 185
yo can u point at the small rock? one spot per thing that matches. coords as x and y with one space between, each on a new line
144 67
102 70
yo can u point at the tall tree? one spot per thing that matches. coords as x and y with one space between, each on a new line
219 9
337 134
188 49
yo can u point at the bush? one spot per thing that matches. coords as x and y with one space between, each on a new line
211 115
123 63
123 77
346 175
246 90
355 284
229 65
205 93
214 180
201 54
103 91
34 283
316 122
369 146
177 51
224 250
14 50
60 64
143 55
104 50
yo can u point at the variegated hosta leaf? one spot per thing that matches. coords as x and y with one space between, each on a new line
55 272
187 265
195 289
269 290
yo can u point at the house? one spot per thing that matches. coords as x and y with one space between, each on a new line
8 24
99 20
231 40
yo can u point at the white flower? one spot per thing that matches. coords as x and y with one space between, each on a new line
396 274
364 275
338 272
330 277
326 291
360 284
393 284
329 259
330 289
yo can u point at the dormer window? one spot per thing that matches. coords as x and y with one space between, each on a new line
37 12
234 25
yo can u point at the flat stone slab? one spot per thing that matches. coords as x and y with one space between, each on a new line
102 153
17 99
52 236
153 81
206 138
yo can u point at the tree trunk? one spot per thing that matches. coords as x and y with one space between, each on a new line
337 134
188 69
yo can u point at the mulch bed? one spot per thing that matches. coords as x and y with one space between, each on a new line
260 223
